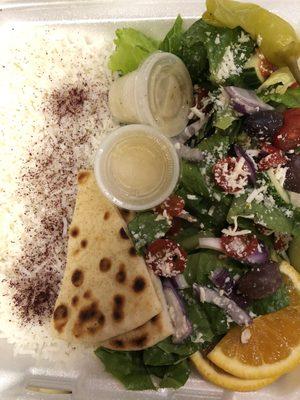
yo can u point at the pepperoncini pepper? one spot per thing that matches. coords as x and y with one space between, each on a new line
277 39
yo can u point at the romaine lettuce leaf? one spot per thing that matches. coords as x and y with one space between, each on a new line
127 367
272 303
172 41
176 375
289 99
132 47
201 264
226 50
273 218
146 227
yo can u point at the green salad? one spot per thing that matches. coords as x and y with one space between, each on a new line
217 242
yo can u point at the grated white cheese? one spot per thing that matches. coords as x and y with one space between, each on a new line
227 66
280 174
192 197
257 194
231 232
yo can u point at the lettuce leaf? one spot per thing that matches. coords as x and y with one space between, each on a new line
172 41
289 99
127 367
145 228
271 217
176 375
272 303
132 47
226 51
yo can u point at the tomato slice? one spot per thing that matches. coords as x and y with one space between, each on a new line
231 174
172 206
282 241
166 258
272 160
288 137
239 247
268 148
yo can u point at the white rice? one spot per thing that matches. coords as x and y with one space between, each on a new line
34 63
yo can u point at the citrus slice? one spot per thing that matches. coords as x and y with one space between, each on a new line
270 346
221 378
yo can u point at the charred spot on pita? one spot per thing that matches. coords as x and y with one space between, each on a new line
90 320
89 312
119 300
83 243
139 284
106 215
83 176
104 264
118 315
123 234
118 343
155 319
140 341
74 301
60 317
132 251
74 232
77 277
121 274
87 294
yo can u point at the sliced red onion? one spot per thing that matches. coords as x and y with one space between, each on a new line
260 256
223 280
182 325
188 153
210 243
240 152
245 101
206 295
191 130
180 282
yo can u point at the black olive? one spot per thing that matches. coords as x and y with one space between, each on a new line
292 178
261 281
263 124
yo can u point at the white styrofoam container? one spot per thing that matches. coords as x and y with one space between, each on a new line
21 375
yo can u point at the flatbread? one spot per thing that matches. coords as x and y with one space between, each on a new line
149 334
106 289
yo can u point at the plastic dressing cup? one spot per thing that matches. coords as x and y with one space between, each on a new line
159 93
136 167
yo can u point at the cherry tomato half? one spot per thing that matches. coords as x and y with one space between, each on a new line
288 137
166 258
229 176
282 241
239 247
268 148
173 206
272 160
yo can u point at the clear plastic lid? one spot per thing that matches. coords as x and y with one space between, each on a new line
136 167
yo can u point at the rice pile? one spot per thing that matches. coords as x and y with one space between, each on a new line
54 88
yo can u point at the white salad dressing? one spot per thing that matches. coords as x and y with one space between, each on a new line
137 167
